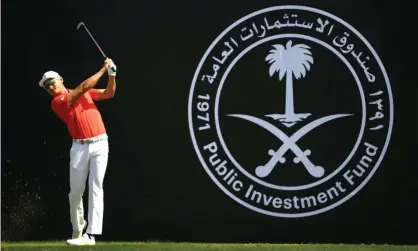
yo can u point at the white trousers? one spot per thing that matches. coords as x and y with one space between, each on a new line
88 160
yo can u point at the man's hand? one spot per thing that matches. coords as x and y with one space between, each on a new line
107 62
109 92
109 65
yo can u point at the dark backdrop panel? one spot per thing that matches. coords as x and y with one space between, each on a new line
155 186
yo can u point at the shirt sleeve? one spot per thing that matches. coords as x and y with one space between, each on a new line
94 94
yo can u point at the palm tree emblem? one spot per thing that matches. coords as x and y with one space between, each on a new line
292 61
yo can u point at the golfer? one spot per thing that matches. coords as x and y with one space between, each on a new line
89 151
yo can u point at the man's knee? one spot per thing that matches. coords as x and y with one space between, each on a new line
76 192
96 183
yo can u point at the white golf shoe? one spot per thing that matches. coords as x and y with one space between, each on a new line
78 234
84 240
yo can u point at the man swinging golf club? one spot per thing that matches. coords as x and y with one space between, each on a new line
89 151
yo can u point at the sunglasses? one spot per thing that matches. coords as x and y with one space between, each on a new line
49 83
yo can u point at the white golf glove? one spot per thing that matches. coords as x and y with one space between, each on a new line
110 70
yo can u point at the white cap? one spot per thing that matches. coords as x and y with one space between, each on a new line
47 75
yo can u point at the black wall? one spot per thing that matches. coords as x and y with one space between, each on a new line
155 186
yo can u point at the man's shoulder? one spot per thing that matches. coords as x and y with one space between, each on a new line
60 103
63 97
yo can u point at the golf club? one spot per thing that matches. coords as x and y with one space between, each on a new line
100 49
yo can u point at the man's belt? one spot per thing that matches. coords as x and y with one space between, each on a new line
91 140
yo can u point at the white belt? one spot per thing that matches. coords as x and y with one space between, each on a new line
91 140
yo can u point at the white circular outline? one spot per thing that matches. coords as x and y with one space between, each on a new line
363 116
391 113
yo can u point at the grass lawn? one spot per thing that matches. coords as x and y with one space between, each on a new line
154 246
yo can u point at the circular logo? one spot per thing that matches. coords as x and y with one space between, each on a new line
290 111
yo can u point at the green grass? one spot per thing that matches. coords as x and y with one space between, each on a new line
161 246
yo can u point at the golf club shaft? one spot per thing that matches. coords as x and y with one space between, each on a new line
100 49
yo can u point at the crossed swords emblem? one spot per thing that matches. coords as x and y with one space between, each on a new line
289 143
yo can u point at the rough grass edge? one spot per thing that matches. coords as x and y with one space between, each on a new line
135 243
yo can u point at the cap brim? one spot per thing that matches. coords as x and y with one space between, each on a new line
48 75
41 83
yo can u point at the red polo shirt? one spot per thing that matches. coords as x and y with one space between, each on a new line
82 118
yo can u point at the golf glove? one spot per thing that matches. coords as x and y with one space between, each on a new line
110 70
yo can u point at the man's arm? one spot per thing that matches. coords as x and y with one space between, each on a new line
103 94
87 84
